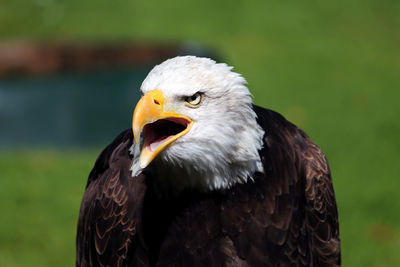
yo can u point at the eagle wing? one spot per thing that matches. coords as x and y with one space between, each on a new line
321 210
108 217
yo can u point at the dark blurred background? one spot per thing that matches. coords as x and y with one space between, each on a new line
74 94
70 73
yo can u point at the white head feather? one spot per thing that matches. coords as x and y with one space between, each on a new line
222 147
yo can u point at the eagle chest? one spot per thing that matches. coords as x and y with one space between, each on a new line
242 227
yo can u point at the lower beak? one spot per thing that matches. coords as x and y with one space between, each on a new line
148 113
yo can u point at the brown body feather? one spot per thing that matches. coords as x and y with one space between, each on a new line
287 216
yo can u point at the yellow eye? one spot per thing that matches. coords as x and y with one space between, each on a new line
194 100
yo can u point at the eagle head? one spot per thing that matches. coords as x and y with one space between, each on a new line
195 125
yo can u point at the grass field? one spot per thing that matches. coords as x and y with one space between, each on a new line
330 67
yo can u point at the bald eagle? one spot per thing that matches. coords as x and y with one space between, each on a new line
206 178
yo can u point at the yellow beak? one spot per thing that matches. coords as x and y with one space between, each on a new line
148 117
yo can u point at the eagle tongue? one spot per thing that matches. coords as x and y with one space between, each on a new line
154 145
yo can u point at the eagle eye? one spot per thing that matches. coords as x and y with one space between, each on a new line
194 100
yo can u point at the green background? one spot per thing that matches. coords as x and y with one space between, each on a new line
332 67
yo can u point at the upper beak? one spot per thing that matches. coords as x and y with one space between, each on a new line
150 109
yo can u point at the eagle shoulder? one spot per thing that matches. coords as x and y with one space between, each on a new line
108 216
299 166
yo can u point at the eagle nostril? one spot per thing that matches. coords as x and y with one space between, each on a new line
156 102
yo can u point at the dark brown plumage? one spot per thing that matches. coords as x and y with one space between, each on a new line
286 217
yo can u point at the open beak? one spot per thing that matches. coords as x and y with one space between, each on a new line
157 127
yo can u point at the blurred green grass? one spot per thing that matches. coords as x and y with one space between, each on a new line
330 67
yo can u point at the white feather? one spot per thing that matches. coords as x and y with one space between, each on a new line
222 147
